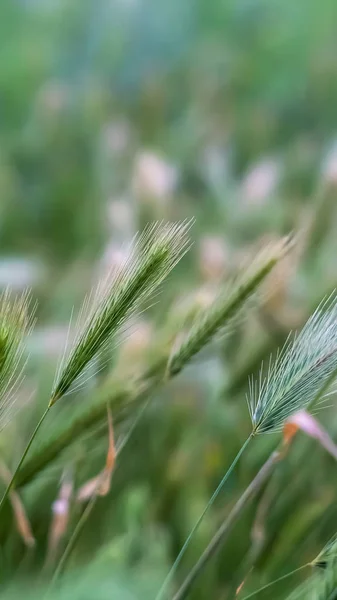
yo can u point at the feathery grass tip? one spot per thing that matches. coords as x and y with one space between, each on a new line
15 325
228 304
154 255
327 554
322 585
303 368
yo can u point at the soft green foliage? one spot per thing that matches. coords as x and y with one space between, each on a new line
116 114
81 420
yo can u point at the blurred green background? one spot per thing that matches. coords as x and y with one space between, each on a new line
114 113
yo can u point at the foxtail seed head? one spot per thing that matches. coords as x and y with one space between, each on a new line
15 325
301 370
327 554
154 255
214 320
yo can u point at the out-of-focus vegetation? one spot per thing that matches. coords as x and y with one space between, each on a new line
115 113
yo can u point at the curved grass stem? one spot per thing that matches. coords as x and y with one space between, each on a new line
162 592
224 529
261 589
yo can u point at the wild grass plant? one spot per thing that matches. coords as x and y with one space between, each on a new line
119 114
159 250
300 374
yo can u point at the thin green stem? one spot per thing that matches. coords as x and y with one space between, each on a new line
167 581
222 532
32 437
118 395
277 581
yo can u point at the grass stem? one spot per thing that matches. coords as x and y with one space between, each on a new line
277 581
32 437
222 532
162 592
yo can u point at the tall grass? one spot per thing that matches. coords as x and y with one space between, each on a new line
154 256
115 114
301 372
302 369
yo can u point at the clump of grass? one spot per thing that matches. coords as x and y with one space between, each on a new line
300 374
206 325
302 369
154 255
229 303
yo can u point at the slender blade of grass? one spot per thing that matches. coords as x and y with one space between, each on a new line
163 590
224 529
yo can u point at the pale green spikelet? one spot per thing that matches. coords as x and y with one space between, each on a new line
154 255
306 590
327 554
301 370
214 319
322 585
327 587
15 325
